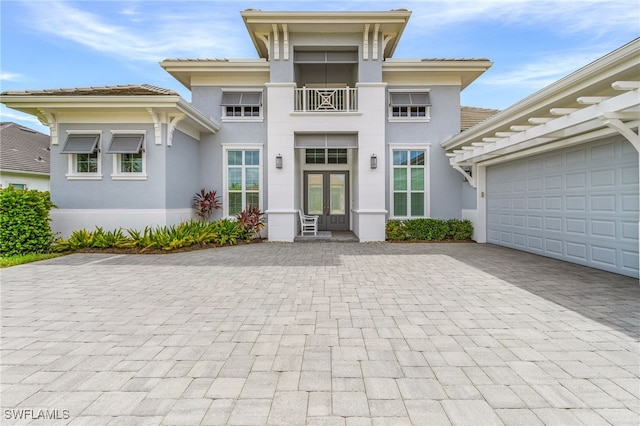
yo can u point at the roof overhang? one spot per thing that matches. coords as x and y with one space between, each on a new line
36 105
185 70
599 100
260 24
467 70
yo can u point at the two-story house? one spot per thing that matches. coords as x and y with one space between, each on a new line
325 120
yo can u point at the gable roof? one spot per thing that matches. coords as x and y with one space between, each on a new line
23 149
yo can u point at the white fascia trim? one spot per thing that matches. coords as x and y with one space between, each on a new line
582 121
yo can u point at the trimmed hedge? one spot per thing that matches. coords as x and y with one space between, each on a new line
24 222
428 229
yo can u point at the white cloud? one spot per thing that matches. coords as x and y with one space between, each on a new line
134 36
595 17
541 72
10 76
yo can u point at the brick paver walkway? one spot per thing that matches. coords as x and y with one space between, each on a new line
324 333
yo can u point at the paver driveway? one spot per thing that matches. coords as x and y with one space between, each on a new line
324 333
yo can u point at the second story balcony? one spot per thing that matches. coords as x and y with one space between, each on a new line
342 99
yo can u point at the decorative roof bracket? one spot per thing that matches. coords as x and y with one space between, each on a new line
623 129
468 174
49 120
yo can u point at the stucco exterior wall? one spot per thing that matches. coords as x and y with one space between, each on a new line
182 171
108 193
445 192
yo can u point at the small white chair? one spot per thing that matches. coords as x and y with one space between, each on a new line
308 223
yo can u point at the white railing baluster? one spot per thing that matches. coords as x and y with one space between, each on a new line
329 99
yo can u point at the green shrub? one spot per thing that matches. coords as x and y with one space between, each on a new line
428 229
24 222
185 234
460 229
396 230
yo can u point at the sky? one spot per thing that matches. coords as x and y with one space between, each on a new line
532 43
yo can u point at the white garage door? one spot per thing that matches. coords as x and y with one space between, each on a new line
578 204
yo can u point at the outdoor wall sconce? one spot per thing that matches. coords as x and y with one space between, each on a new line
374 161
278 161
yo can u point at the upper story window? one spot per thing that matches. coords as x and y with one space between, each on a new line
83 150
409 106
242 106
129 157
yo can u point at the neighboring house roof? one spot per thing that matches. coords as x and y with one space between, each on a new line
596 101
23 149
120 90
470 116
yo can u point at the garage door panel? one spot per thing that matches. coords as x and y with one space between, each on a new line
553 203
629 230
576 226
630 260
553 246
603 178
629 176
553 162
603 203
576 180
553 224
535 243
603 228
520 240
577 251
603 255
535 184
576 157
552 183
606 151
578 204
630 203
534 203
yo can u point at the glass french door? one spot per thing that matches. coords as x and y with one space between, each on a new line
326 194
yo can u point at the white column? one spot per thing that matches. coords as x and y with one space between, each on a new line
281 208
370 213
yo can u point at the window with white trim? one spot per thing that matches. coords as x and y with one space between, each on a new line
83 150
242 105
326 156
18 185
243 180
129 156
409 106
409 183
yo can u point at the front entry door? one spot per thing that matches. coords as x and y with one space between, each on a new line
326 194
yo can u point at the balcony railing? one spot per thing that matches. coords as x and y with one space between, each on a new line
329 99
